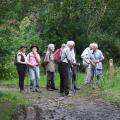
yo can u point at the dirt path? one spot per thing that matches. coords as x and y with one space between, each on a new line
49 106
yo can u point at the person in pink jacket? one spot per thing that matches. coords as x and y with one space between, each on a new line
33 59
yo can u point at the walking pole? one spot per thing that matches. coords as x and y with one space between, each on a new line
28 79
77 72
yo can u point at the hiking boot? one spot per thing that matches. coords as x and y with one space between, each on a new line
69 95
38 90
22 91
50 89
62 94
32 90
54 88
76 88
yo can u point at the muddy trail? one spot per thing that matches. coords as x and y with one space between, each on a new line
50 106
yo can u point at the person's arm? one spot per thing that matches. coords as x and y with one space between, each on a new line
100 59
92 62
47 57
28 60
19 59
85 57
37 57
69 55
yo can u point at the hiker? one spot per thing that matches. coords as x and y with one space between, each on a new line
57 58
33 59
98 57
88 64
74 68
50 67
21 62
65 66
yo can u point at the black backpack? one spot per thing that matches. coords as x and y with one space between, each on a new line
15 60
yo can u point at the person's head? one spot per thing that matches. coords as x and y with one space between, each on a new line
73 44
34 48
51 47
95 46
70 44
63 46
23 48
90 46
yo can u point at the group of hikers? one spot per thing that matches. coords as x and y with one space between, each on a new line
65 60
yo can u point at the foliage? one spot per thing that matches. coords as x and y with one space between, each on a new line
51 21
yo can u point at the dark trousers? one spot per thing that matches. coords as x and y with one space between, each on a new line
74 70
64 77
21 69
50 80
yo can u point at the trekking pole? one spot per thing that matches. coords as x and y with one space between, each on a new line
77 73
27 79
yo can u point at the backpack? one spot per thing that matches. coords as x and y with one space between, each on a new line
15 60
43 63
57 55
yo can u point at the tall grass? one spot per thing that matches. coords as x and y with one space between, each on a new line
111 87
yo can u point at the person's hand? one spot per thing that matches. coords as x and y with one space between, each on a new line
26 62
32 65
92 62
96 61
35 53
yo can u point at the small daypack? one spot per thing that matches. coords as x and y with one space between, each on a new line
57 55
43 63
15 60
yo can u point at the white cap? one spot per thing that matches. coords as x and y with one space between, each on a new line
70 42
63 45
94 45
51 46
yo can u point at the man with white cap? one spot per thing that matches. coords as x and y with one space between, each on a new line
66 61
74 68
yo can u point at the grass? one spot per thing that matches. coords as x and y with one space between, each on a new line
42 81
10 103
111 89
9 100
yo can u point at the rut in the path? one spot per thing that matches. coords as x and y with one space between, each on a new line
68 109
49 106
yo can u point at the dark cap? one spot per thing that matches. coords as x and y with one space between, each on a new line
35 47
22 46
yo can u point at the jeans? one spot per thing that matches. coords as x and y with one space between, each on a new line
34 73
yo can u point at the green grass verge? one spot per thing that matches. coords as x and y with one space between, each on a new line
42 81
10 102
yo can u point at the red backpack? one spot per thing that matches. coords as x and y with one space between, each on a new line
57 55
